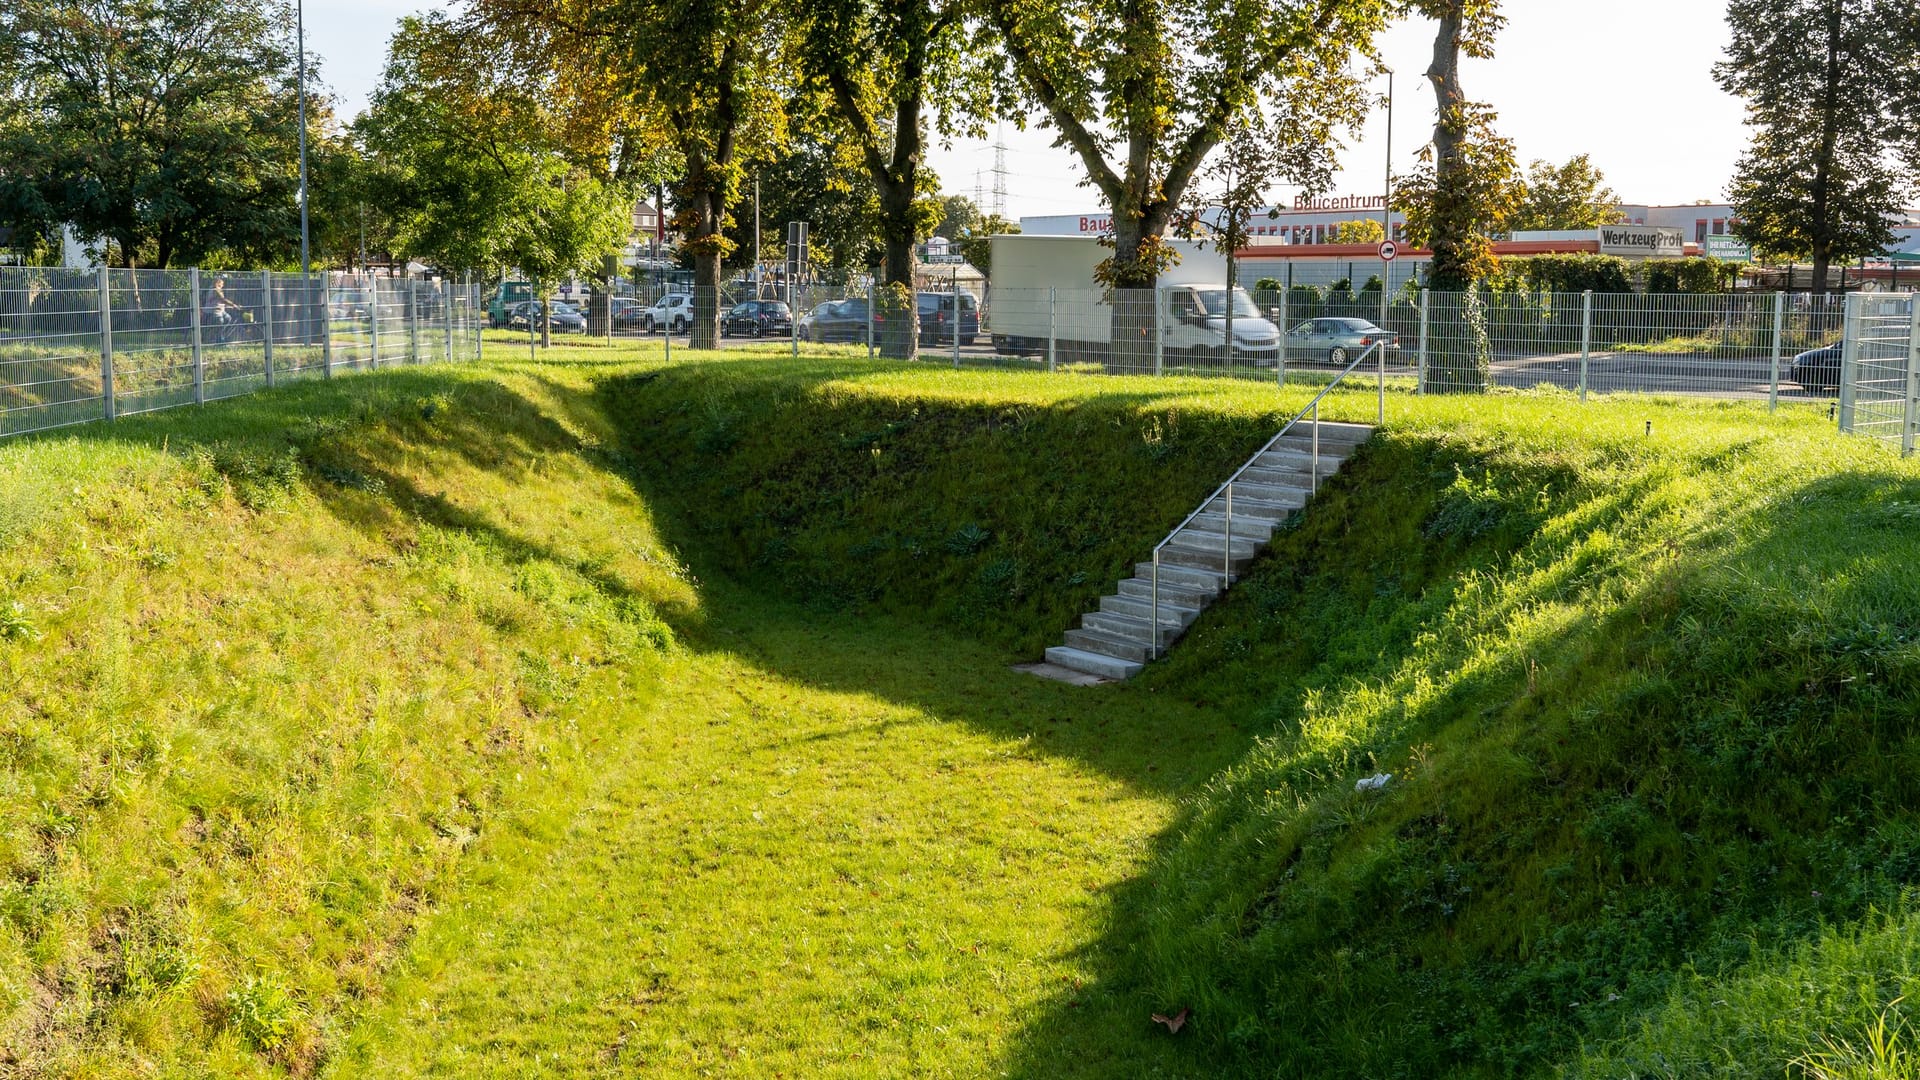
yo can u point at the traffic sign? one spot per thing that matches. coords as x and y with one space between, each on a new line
1388 250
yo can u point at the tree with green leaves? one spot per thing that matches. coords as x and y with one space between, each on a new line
1465 190
886 64
165 131
466 158
817 180
1570 196
1143 90
710 80
1829 86
1358 231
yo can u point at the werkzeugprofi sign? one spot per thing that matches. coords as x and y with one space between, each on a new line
1642 241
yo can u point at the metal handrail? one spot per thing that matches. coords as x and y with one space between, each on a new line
1313 484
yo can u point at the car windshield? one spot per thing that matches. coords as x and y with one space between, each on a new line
561 308
773 307
1360 326
1214 301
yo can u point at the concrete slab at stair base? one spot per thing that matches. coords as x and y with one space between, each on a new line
1108 667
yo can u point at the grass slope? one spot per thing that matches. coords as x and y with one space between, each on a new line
599 717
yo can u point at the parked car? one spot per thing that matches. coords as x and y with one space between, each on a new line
627 312
674 312
757 318
936 318
566 317
1340 339
838 320
1817 370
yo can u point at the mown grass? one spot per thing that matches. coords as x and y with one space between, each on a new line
596 717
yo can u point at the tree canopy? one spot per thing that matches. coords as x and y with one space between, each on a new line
165 131
1570 196
1829 87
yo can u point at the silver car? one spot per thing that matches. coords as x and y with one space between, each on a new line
1339 340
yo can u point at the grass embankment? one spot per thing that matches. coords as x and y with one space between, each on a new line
449 765
1647 694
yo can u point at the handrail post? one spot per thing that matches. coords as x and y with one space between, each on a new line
199 355
1226 567
1779 339
106 343
1153 645
1313 468
1586 339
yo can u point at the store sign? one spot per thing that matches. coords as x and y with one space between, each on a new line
1729 248
1642 241
1095 226
1342 202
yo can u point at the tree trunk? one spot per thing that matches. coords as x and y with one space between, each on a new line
900 325
1136 319
1822 239
709 245
1459 362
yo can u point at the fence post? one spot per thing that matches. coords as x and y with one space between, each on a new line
1420 376
373 321
1849 357
413 321
1913 379
956 317
446 315
266 323
106 343
1280 364
1779 341
1586 339
1153 298
793 330
873 313
1052 334
326 326
199 356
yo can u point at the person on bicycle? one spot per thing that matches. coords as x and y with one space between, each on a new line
220 311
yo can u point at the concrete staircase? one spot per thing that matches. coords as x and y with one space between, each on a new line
1197 561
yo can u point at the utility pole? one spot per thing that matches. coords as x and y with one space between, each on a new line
300 41
756 235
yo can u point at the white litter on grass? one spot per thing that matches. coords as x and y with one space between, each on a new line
1376 782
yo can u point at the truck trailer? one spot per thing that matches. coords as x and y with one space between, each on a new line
1043 291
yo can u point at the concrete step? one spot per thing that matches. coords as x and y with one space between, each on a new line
1196 579
1195 538
1273 493
1171 614
1271 512
1196 559
1287 477
1127 627
1103 644
1301 441
1351 434
1245 526
1186 596
1298 460
1108 667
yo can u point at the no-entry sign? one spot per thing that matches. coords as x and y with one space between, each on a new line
1388 250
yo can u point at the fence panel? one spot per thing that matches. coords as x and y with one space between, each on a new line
1879 368
79 345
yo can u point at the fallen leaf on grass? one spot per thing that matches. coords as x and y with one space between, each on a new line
1175 1022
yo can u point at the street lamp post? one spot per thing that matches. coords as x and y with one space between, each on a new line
1386 210
300 43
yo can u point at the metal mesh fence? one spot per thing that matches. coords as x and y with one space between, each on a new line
80 345
1879 370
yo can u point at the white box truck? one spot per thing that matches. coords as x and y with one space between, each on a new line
1077 315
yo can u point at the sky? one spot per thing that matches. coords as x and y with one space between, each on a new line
1629 83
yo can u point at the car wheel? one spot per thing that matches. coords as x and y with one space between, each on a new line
1337 355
